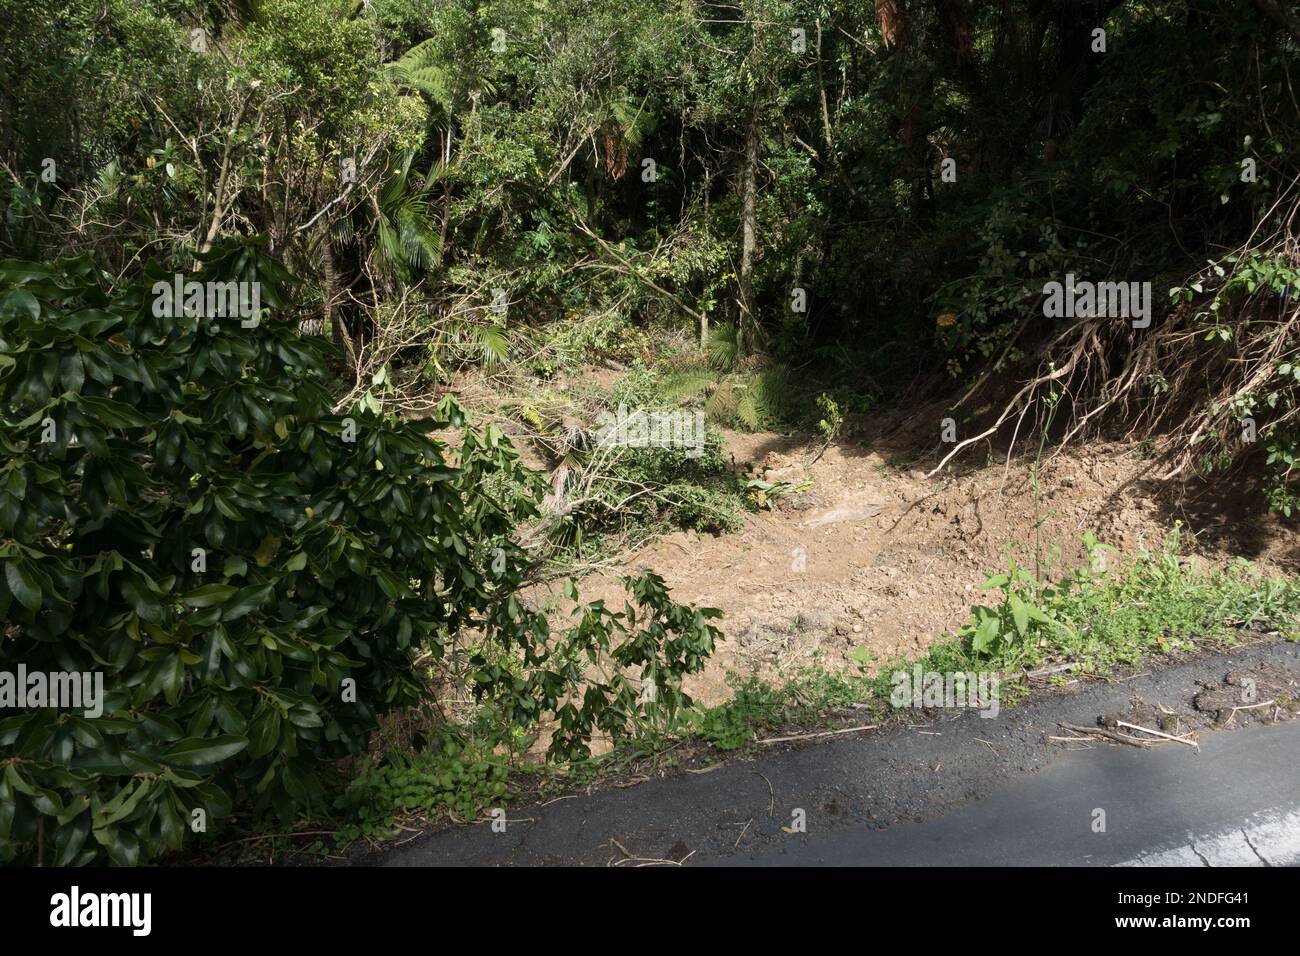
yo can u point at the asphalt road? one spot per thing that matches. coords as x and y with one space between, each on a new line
1236 803
960 790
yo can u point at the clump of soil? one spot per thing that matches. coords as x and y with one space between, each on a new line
1250 695
1262 693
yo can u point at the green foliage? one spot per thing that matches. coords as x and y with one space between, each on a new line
212 542
752 400
521 168
757 707
1283 457
445 777
1102 616
660 640
832 417
1015 623
642 491
1243 295
1161 602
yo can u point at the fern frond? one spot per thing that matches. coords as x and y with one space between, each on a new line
723 345
721 405
749 410
419 69
687 384
109 179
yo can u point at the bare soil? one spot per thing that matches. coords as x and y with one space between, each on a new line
873 553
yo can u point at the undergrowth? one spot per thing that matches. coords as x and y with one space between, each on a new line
1155 604
1098 620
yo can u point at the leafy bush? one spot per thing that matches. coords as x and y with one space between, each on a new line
181 511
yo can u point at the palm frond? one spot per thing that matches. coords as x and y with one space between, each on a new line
388 245
342 231
493 345
108 179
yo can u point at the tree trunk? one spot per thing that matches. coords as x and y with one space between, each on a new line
330 273
746 322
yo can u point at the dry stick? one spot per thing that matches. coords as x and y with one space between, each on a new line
1071 740
570 796
219 197
1159 733
771 794
1262 374
1045 671
984 376
1253 706
824 733
1011 447
1110 734
651 861
582 141
276 836
1120 390
1233 716
742 834
629 269
324 209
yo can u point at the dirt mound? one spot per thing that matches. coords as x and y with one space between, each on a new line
863 551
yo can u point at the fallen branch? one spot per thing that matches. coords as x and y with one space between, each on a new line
824 733
1160 733
742 834
1109 734
1233 716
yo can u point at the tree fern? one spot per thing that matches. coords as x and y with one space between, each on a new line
419 70
752 401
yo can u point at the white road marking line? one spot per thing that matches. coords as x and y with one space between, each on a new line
1270 837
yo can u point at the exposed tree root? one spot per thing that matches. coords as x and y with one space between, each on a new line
1207 379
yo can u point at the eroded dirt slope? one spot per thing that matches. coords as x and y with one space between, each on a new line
875 553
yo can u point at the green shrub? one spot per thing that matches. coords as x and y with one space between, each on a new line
181 511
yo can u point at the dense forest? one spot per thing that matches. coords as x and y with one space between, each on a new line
279 526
